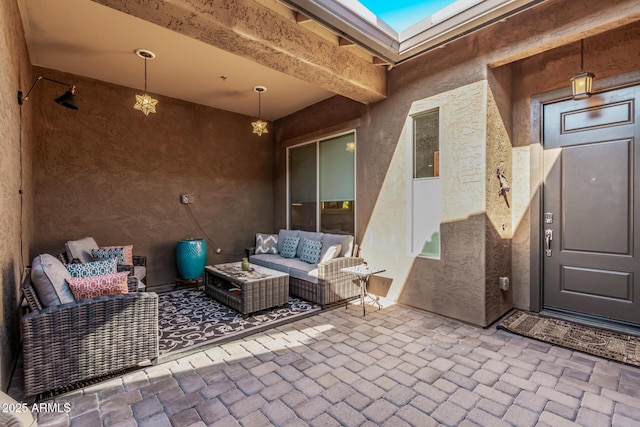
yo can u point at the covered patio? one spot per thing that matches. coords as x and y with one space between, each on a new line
395 367
453 150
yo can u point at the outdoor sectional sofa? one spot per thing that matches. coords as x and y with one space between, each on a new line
322 283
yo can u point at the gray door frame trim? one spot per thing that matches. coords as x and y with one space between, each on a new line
537 167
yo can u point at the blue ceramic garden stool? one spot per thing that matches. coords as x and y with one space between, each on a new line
191 255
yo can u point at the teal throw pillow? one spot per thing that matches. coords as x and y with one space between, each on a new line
94 268
289 247
311 250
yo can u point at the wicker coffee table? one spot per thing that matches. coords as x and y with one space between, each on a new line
246 291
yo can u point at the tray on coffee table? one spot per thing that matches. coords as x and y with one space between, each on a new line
246 291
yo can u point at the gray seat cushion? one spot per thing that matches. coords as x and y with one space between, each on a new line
272 261
294 267
301 270
139 271
81 249
48 276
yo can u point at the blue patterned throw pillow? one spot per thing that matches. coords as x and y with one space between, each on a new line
95 268
289 247
311 250
103 254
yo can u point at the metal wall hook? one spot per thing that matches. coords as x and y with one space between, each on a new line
504 186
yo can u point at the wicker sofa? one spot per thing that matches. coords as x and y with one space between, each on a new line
75 341
322 283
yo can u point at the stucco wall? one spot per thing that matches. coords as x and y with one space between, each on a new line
14 174
109 172
499 222
555 28
452 285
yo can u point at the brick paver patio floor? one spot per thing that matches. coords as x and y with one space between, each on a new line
395 367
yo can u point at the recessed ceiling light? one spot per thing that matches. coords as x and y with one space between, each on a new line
145 54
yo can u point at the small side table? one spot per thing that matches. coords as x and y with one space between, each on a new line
364 272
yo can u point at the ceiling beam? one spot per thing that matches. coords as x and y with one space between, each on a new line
345 42
253 31
380 61
302 18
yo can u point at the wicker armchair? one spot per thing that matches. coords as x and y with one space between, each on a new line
69 343
333 286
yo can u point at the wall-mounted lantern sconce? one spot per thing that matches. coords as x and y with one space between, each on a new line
582 83
68 99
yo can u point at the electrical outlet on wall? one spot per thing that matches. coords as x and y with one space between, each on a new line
184 199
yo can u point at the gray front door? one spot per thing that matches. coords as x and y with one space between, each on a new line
591 203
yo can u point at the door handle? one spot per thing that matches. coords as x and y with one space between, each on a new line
548 237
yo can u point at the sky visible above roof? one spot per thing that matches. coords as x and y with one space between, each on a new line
402 14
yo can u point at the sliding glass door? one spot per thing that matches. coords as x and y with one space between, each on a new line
303 188
321 178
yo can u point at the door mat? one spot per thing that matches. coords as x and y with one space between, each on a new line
595 341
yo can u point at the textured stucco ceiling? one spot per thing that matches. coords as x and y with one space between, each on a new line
97 41
215 52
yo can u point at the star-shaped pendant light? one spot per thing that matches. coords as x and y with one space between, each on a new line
259 127
145 103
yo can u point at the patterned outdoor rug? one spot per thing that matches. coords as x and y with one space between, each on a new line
598 342
189 320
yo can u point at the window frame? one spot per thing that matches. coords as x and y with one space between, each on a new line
436 157
431 181
317 142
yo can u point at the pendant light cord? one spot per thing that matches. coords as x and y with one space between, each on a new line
145 76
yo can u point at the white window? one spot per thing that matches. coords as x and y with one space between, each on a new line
425 184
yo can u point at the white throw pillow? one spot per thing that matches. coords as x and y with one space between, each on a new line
331 253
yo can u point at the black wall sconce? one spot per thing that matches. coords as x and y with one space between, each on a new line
68 99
